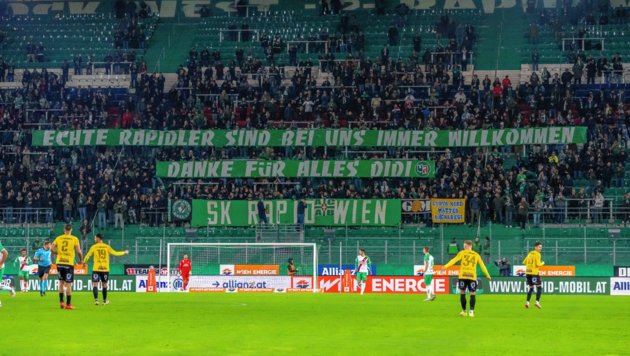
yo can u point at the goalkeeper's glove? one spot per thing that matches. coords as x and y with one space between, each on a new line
179 274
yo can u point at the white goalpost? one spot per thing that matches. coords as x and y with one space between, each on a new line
244 267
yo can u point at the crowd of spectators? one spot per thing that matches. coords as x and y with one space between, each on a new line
103 183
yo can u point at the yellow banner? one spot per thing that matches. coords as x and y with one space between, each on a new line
448 211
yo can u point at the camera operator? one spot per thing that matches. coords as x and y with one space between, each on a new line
504 267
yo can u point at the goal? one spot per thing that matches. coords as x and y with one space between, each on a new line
244 267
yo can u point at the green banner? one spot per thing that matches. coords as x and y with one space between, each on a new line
551 285
320 212
296 169
311 137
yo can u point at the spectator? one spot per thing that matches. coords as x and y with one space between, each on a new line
291 270
40 53
204 11
325 7
392 35
487 250
505 268
533 33
68 204
523 211
417 43
102 214
3 70
453 249
560 205
85 229
508 205
538 209
598 205
241 8
475 207
118 215
37 244
535 60
31 49
262 211
77 64
477 245
82 205
378 4
10 72
300 214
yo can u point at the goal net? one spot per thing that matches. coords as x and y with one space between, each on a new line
244 267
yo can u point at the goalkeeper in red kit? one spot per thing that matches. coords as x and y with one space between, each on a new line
185 266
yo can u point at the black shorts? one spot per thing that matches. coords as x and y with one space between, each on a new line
533 280
65 273
100 277
469 284
41 271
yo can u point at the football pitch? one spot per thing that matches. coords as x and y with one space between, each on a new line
312 324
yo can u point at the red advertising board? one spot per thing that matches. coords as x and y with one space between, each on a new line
387 284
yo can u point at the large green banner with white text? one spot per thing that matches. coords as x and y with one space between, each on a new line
321 212
296 169
311 137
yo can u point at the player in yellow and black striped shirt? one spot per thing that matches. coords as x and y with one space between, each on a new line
100 272
532 264
468 274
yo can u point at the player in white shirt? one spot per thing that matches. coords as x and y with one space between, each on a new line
4 254
362 267
23 262
428 274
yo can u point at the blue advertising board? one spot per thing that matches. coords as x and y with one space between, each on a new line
333 270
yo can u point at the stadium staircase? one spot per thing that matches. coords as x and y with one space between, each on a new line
170 45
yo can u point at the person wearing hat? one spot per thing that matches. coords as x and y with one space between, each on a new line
291 270
300 214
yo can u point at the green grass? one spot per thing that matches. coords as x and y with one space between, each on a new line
312 324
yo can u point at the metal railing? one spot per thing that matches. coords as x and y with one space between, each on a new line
583 40
109 65
307 46
469 59
249 31
18 216
233 8
151 217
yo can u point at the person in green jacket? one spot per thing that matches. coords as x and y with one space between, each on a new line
487 249
453 249
477 245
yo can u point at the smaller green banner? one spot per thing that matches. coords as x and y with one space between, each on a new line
319 212
296 169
